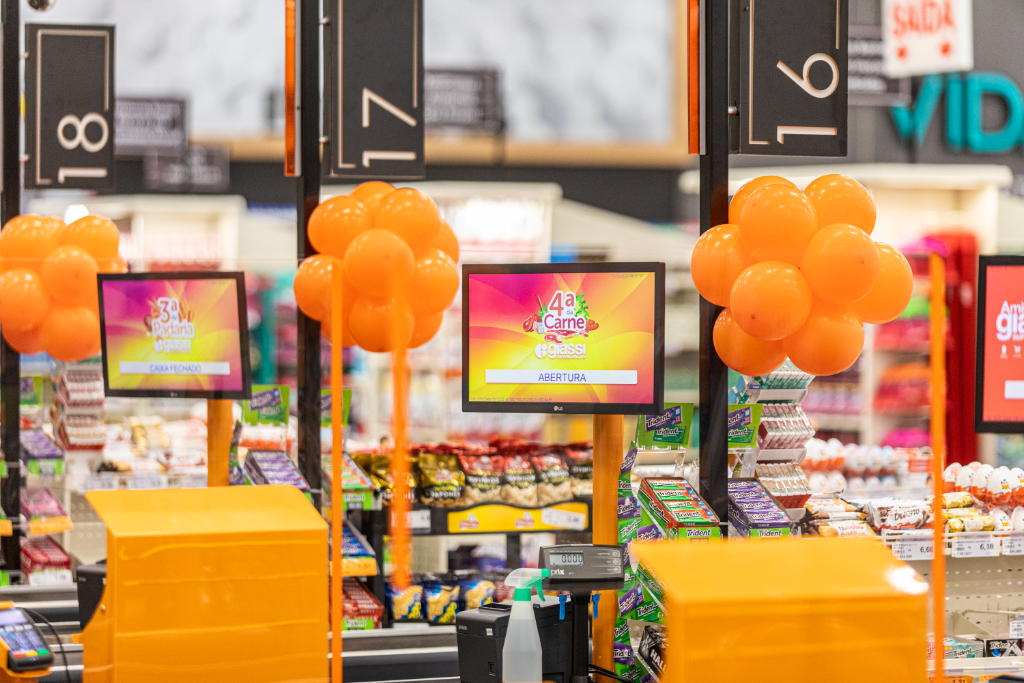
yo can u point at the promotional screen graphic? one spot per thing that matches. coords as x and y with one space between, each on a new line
585 338
175 336
1002 366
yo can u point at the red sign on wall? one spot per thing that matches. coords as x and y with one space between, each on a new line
1000 398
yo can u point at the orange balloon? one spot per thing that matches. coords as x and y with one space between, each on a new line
840 199
57 224
26 342
379 263
334 223
371 193
770 300
776 224
113 264
411 215
96 234
718 258
70 333
841 264
743 353
381 325
312 285
740 198
427 326
892 290
69 274
433 285
446 241
829 342
26 240
24 301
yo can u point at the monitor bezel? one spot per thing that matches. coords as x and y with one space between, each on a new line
243 332
545 408
981 425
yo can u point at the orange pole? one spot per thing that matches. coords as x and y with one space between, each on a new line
219 428
400 574
337 496
937 320
607 461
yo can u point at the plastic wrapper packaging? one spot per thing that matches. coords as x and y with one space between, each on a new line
675 509
474 590
39 503
273 467
483 479
894 515
752 512
441 480
839 529
580 460
44 562
36 445
360 608
405 605
378 466
441 598
786 481
520 482
553 485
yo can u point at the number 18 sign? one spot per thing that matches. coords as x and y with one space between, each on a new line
793 87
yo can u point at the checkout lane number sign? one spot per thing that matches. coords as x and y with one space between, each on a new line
69 106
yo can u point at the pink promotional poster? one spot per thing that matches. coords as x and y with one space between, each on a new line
581 338
174 336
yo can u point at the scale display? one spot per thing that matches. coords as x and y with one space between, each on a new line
583 568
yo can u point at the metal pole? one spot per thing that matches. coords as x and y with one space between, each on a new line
10 206
307 197
714 210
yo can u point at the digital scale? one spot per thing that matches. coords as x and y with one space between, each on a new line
564 626
28 654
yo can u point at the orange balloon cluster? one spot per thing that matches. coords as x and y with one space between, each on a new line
48 295
397 257
798 275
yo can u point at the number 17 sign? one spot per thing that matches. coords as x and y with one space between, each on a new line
793 88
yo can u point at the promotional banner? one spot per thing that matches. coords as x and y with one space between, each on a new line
174 335
562 337
1003 396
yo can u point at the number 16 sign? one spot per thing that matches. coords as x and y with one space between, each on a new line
793 88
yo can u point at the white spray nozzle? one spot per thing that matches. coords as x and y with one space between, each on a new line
524 581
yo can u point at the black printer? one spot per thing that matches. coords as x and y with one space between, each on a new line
481 638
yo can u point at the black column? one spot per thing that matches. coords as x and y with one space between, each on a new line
714 210
307 87
10 206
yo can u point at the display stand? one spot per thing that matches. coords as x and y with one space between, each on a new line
219 428
10 206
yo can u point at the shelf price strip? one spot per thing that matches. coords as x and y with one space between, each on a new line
975 547
1013 544
909 549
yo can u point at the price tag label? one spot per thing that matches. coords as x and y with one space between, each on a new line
909 549
984 546
419 519
1017 627
563 519
144 482
1013 545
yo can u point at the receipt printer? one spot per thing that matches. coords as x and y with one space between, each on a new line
481 638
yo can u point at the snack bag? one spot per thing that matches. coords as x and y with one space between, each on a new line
622 651
553 484
441 480
520 485
474 590
580 459
441 597
483 479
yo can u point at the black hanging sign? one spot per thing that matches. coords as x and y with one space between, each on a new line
373 76
793 77
69 106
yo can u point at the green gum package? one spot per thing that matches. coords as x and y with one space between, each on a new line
669 429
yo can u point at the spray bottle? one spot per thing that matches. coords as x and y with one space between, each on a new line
521 657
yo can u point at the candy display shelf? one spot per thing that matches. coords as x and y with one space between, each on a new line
979 669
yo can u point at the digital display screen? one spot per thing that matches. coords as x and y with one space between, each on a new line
12 616
583 338
175 335
566 559
999 403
